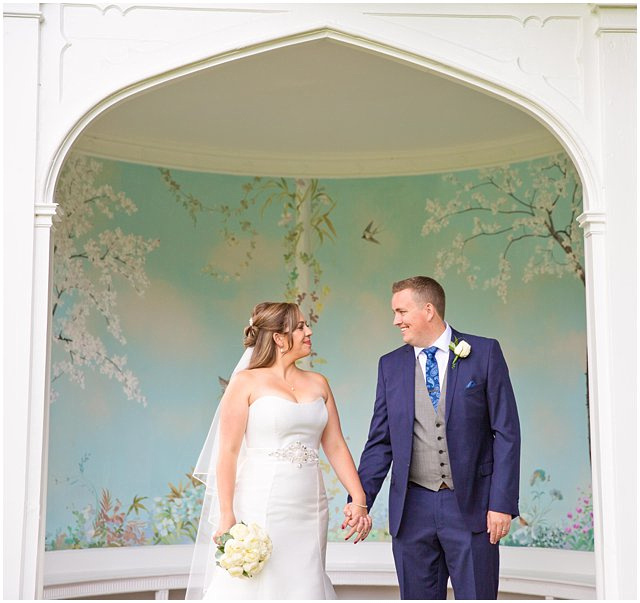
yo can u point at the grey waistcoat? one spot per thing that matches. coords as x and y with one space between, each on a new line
430 458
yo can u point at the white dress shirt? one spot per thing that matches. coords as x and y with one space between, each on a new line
442 354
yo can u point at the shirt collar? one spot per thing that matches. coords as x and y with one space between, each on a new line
442 343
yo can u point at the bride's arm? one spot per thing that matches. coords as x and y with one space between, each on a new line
338 454
234 410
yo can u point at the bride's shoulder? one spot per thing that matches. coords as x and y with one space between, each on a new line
242 379
317 377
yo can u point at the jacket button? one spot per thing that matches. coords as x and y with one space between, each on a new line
440 451
437 424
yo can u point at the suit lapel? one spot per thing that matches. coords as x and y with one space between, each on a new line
452 378
408 383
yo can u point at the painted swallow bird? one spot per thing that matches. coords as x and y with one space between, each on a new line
369 232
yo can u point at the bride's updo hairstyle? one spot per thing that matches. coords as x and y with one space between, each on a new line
269 318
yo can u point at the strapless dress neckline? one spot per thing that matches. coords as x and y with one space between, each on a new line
275 397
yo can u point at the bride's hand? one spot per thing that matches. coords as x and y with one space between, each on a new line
224 525
358 520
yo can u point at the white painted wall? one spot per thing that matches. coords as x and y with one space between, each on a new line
571 66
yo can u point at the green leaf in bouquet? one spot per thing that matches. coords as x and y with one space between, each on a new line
224 538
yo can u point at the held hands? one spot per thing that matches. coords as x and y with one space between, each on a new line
498 526
227 521
358 520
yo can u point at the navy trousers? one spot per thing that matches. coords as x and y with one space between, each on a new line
433 544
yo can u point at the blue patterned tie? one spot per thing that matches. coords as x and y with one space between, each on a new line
433 377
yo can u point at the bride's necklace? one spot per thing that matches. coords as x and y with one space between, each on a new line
291 387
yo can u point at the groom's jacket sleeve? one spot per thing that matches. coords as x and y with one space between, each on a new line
376 456
505 425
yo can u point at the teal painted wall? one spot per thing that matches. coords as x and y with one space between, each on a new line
148 314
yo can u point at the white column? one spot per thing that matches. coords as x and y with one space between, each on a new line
598 351
37 460
618 415
21 24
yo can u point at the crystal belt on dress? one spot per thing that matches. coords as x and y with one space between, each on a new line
297 453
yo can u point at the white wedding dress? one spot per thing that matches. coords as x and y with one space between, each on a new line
279 486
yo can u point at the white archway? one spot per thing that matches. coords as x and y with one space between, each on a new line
539 112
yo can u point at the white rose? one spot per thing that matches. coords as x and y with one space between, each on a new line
234 546
225 562
251 556
259 568
250 567
463 349
237 558
235 571
257 531
239 531
253 544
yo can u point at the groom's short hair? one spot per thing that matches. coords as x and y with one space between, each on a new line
425 289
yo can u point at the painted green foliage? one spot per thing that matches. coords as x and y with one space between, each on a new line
534 529
168 519
304 209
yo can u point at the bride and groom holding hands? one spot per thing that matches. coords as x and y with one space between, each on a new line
444 421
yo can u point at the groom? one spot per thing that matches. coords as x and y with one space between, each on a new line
447 424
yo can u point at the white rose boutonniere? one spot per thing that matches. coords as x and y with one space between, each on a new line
243 550
461 349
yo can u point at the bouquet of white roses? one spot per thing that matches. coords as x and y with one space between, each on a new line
243 550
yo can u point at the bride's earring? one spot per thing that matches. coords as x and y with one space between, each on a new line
282 351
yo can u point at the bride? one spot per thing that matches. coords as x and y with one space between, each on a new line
260 465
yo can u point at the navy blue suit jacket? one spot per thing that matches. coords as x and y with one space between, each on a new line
482 426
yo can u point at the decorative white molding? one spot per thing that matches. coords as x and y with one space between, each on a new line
516 40
14 15
93 572
24 10
44 213
116 586
335 165
115 36
592 222
615 18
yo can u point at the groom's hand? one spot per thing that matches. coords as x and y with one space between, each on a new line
498 526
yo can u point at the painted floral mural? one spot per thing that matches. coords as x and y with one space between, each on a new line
156 271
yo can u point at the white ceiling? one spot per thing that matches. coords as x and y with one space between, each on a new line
321 108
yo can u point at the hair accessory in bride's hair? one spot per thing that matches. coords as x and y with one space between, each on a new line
251 322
